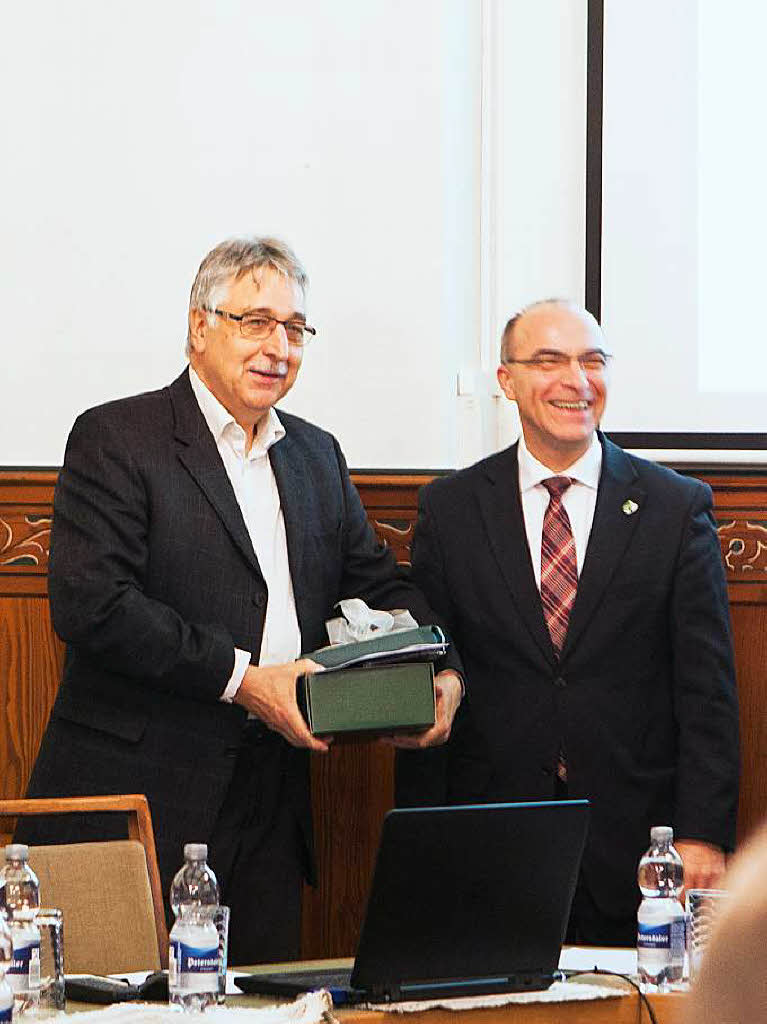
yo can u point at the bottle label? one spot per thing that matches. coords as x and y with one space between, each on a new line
677 940
192 968
660 950
24 970
667 936
654 936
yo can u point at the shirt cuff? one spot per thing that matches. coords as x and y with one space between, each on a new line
241 662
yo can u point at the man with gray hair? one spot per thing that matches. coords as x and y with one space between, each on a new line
200 541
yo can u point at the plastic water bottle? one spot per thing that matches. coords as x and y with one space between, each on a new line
19 887
6 958
23 975
20 898
193 957
660 920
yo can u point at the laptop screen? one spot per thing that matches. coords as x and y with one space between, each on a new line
472 892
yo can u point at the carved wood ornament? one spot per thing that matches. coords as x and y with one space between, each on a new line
25 540
744 548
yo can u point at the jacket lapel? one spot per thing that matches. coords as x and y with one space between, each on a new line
198 452
617 512
501 510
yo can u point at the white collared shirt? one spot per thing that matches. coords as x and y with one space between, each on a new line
579 499
255 488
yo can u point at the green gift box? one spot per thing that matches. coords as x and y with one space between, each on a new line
376 699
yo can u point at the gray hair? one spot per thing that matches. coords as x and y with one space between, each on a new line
236 257
508 332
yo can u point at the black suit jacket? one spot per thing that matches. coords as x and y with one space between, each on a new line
154 582
642 699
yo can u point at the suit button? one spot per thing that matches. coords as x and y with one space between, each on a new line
560 682
259 600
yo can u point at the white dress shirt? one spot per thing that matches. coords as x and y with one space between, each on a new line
579 499
255 488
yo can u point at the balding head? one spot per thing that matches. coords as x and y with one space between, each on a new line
526 317
553 365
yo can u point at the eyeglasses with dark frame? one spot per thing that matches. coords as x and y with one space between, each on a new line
552 362
259 326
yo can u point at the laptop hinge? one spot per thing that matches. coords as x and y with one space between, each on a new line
386 992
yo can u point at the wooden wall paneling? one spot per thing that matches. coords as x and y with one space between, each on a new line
31 658
26 510
352 789
391 503
749 628
740 505
353 785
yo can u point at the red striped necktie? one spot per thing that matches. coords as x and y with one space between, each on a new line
559 571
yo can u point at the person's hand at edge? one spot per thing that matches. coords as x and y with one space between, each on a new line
704 864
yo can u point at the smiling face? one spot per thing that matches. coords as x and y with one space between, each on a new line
246 375
560 406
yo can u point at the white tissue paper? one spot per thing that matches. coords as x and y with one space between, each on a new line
312 1008
358 622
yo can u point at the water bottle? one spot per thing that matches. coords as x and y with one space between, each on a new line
193 957
660 920
20 898
6 958
23 975
19 887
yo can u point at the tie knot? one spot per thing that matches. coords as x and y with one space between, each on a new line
556 485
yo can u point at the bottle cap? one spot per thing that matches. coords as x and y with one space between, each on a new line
661 834
17 851
196 851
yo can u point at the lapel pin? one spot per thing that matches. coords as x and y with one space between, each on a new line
629 507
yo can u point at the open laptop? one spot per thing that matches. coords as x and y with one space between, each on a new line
464 900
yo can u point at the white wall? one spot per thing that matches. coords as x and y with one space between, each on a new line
532 240
426 158
141 133
541 152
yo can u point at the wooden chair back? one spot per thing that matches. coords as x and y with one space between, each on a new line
119 924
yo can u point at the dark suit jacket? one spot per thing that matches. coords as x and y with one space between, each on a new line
153 582
643 698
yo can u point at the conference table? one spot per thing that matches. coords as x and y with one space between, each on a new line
626 1009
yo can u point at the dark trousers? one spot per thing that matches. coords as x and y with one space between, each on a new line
257 853
588 925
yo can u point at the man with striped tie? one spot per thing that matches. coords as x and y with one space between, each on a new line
585 591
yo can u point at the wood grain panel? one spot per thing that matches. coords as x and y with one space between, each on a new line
31 659
352 789
749 629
